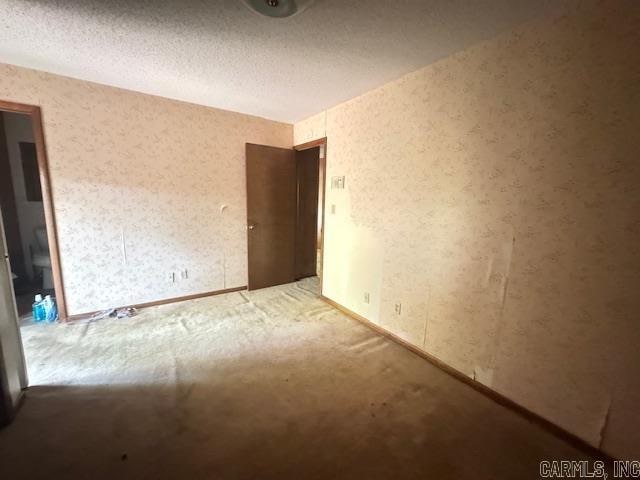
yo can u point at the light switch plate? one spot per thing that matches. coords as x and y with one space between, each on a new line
337 182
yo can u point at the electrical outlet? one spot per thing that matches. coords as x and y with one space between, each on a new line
366 297
333 209
172 277
398 308
184 274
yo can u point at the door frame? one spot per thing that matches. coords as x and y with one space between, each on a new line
322 178
35 115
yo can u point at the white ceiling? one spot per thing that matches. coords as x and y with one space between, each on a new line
218 53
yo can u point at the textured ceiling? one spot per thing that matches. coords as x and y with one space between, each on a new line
219 53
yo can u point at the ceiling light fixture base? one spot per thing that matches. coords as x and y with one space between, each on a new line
278 8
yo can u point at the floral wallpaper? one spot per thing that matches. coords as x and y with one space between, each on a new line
491 212
490 207
139 184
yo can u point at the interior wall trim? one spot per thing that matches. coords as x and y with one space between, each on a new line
313 143
85 316
547 425
35 115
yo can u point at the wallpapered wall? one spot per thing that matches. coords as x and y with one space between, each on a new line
496 196
138 184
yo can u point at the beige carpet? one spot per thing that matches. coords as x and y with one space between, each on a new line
272 384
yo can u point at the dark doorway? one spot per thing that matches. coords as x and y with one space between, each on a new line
23 212
308 174
27 208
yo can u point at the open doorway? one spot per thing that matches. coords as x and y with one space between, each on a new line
23 213
28 243
27 214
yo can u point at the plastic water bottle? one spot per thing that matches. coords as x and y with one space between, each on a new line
50 310
39 314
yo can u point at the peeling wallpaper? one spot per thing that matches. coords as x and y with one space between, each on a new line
138 183
495 196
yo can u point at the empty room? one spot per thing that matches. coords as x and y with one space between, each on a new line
319 239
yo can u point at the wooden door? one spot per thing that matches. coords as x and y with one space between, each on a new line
271 215
307 166
13 375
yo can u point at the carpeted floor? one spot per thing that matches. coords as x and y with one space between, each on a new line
271 384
